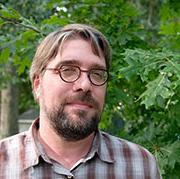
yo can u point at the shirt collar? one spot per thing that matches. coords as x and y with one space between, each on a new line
32 150
100 147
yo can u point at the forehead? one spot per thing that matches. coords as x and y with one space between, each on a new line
79 52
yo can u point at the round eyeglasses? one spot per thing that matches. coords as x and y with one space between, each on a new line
70 73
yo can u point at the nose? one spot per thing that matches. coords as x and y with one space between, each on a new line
83 83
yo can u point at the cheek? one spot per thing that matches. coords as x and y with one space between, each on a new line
47 91
54 92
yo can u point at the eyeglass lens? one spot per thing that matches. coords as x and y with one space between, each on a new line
70 74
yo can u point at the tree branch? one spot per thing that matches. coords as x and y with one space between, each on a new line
20 22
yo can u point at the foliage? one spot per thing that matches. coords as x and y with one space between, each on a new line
159 71
143 93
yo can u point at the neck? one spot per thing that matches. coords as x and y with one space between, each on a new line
61 150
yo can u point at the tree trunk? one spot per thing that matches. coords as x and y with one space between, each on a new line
9 110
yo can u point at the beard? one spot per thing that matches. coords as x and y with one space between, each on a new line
72 129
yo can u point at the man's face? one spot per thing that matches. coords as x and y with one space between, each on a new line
73 109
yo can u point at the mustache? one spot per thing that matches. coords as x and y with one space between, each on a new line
85 97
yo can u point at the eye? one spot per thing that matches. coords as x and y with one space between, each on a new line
98 75
67 71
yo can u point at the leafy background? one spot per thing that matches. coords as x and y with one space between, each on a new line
143 95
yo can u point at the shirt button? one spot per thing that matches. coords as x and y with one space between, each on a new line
69 177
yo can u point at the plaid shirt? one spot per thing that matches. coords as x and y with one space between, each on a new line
22 157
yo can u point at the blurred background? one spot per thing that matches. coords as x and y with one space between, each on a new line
143 94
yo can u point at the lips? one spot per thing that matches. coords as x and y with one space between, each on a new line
80 105
82 101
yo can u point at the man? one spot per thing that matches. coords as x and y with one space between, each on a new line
69 76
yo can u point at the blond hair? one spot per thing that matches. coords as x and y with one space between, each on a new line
49 47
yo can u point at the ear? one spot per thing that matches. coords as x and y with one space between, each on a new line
36 86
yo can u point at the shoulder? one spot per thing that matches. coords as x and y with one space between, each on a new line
12 145
13 139
124 148
128 158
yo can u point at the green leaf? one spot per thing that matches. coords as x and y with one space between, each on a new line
1 22
174 156
155 88
9 13
4 56
21 64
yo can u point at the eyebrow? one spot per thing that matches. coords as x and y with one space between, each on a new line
67 62
75 62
